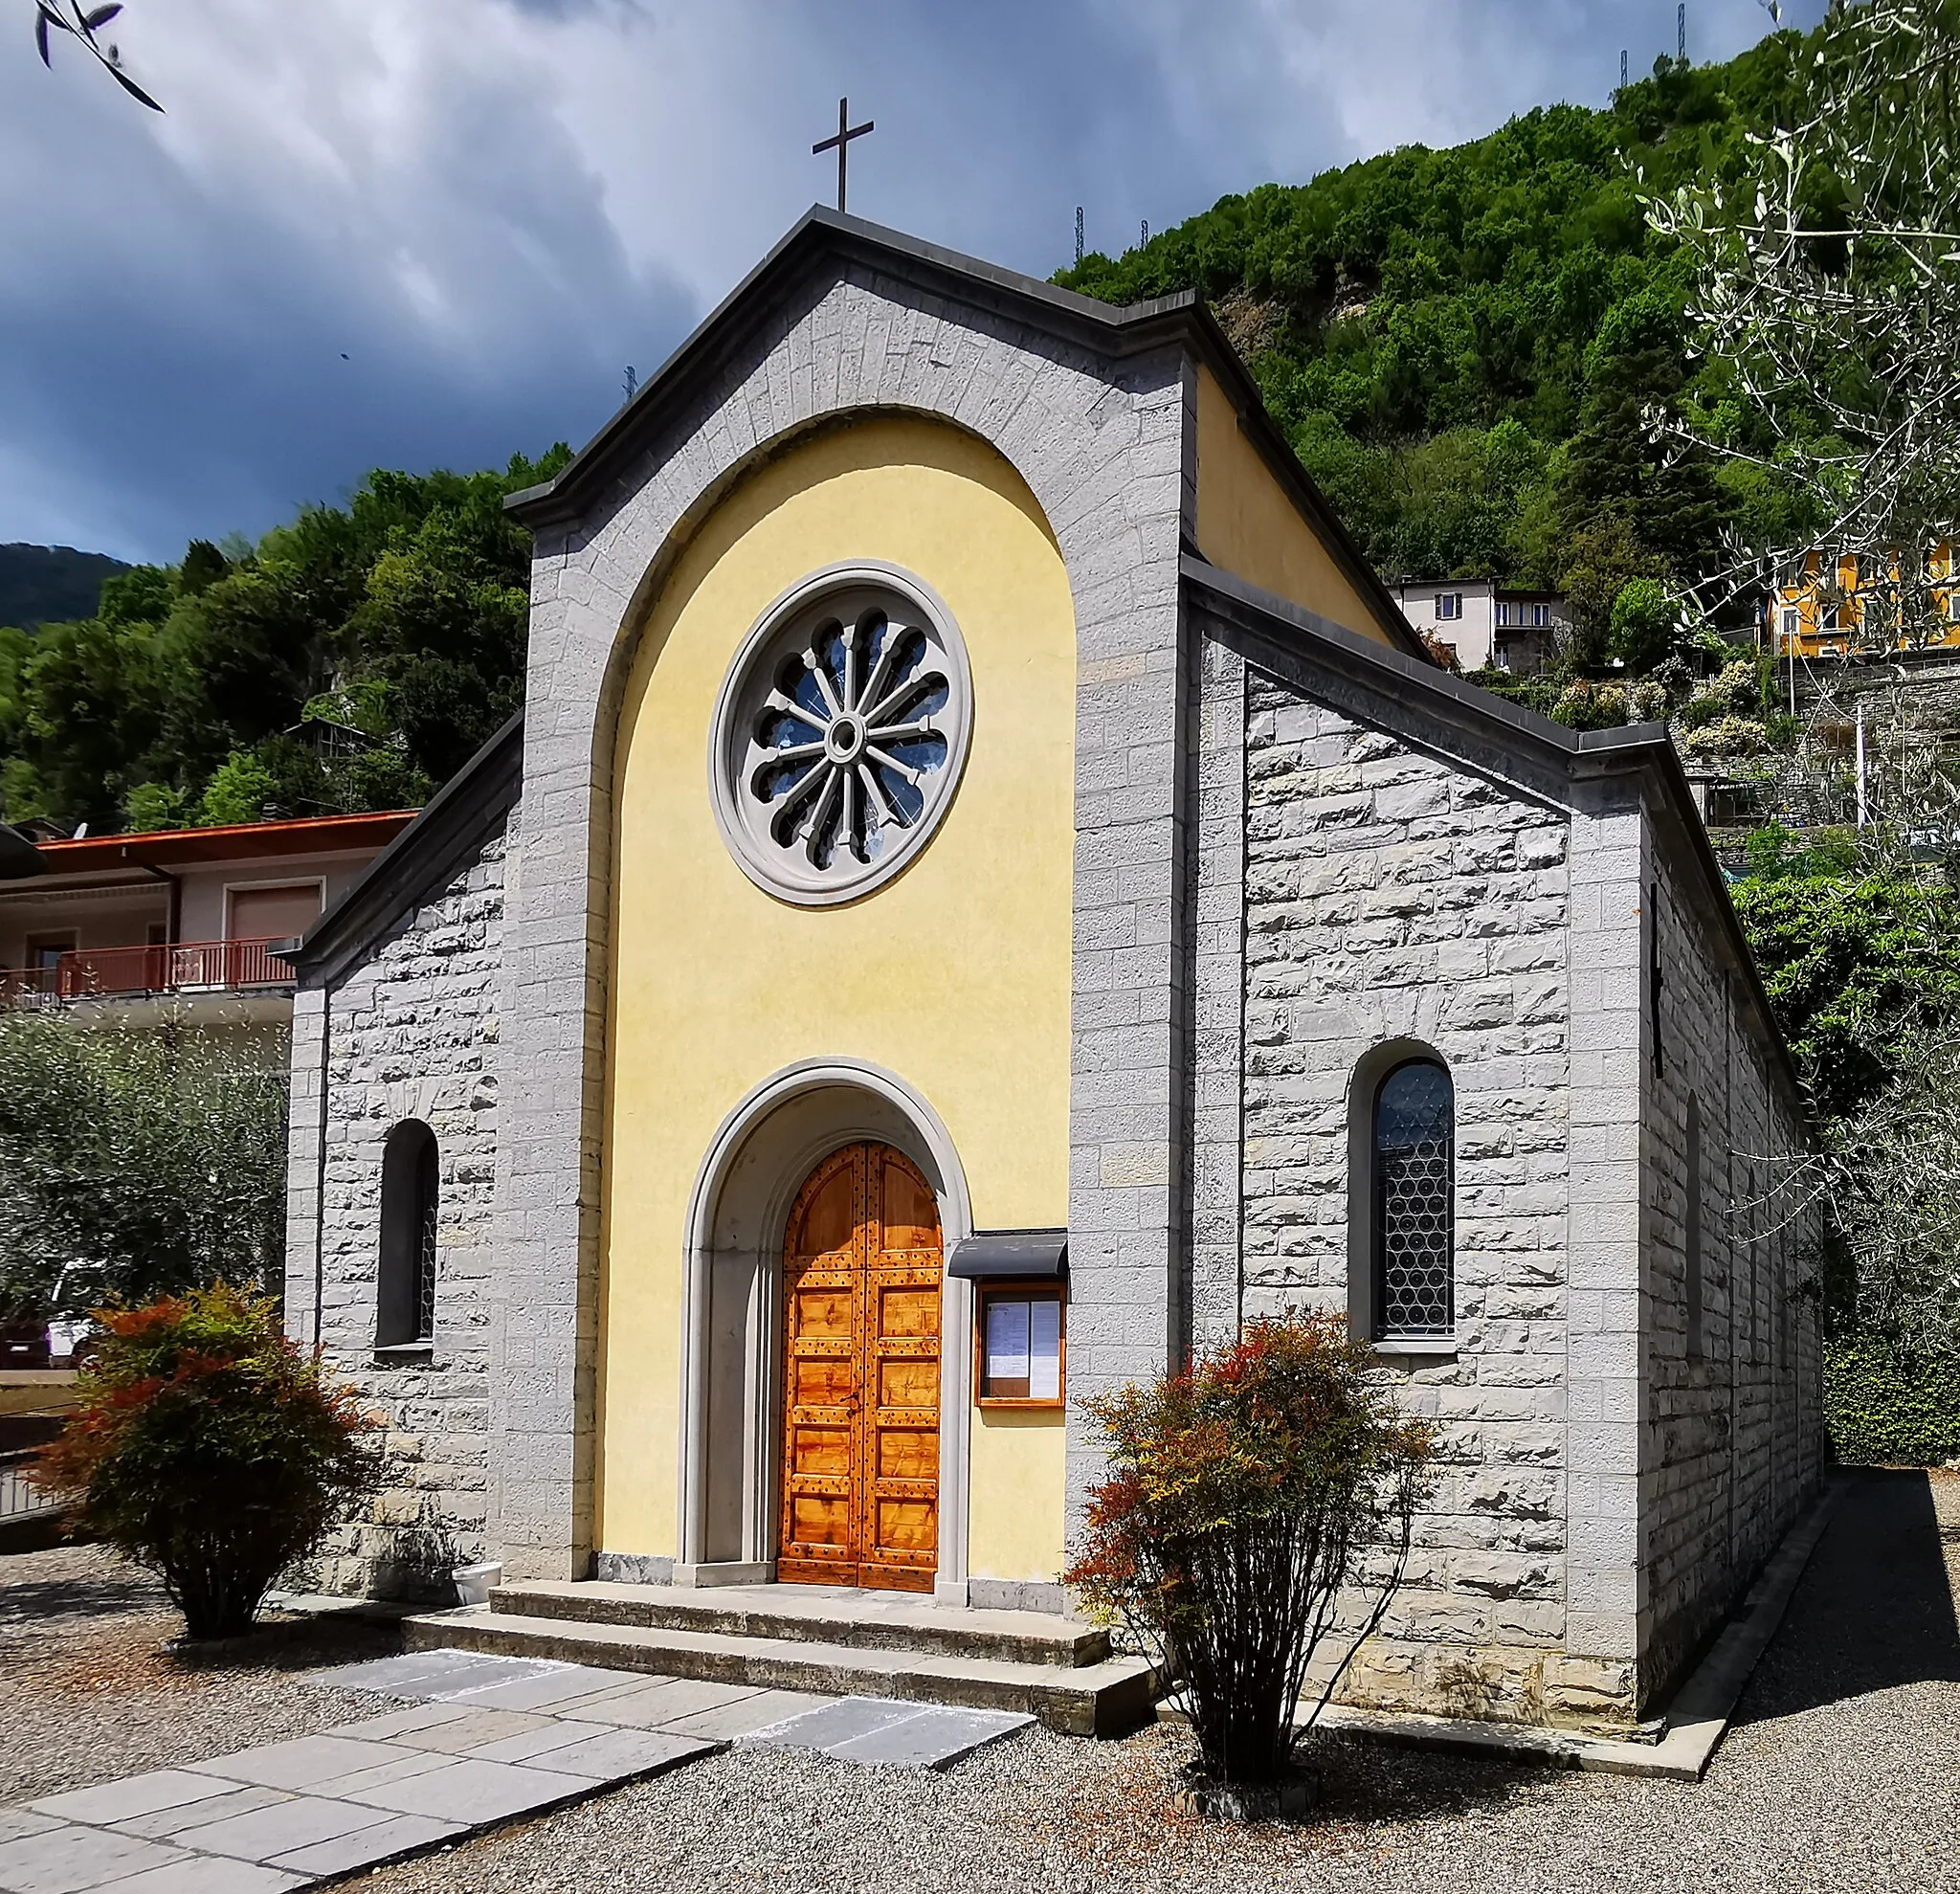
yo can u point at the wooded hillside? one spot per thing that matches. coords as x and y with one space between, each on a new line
1462 344
39 583
1459 344
350 660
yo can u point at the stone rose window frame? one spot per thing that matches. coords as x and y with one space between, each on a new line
840 733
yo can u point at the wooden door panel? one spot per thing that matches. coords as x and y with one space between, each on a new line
862 1266
909 1217
908 1386
828 1222
825 1455
905 1308
906 1453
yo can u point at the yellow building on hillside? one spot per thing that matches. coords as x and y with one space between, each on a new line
1831 611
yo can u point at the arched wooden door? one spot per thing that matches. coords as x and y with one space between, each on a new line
861 1268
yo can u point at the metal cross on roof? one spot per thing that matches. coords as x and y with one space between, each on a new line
841 144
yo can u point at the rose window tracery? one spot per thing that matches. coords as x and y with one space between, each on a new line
840 733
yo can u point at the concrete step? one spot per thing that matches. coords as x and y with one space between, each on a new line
1110 1698
817 1614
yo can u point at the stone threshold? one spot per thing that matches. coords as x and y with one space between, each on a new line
1695 1722
817 1614
1110 1698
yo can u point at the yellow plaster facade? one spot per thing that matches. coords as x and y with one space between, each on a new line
955 975
1829 611
1248 524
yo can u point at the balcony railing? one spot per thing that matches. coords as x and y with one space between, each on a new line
185 967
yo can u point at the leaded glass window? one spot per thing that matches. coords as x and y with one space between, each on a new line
840 732
1414 1203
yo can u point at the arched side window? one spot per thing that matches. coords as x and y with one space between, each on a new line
1691 1235
1413 1198
405 1312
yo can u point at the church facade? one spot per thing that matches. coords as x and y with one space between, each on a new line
986 893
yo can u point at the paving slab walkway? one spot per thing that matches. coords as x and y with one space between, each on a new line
486 1740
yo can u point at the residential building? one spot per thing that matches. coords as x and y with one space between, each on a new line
1830 607
986 893
1484 623
127 926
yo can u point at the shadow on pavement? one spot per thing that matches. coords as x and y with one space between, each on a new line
1876 1609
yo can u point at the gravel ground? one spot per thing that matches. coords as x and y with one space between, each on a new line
1842 1771
89 1692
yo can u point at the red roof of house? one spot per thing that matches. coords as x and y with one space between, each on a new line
312 835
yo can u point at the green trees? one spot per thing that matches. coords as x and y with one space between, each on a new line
400 616
1462 345
135 1161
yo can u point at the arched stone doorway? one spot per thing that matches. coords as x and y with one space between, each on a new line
735 1321
862 1276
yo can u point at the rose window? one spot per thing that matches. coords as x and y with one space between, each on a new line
840 734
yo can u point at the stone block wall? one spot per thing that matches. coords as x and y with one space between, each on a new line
1389 893
1733 1429
413 1032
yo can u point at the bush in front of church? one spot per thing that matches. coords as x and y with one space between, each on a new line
210 1449
1242 1496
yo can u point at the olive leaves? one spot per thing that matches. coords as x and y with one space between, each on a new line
67 16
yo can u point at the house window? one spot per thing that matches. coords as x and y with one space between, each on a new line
1827 618
44 951
405 1312
1413 1201
1449 605
1541 617
1790 621
1021 1346
1504 613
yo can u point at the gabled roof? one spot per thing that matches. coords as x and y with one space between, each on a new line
424 857
1286 635
821 240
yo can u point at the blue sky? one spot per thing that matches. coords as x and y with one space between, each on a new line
490 207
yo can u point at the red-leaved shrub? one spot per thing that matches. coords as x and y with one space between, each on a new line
1242 1497
207 1446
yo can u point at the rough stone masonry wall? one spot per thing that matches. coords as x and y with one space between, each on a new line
1389 893
412 1032
1733 1441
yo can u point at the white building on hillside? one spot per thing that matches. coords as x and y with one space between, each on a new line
1485 623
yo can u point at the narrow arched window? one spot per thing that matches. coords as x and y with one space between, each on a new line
1415 1202
404 1314
1691 1235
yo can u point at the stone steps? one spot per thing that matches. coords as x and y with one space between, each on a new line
817 1615
1107 1698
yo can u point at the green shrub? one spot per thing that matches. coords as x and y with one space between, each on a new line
136 1160
1644 625
209 1448
1882 1406
1242 1497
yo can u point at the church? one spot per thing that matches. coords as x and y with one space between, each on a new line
986 893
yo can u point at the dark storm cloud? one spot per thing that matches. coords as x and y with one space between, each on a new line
489 206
